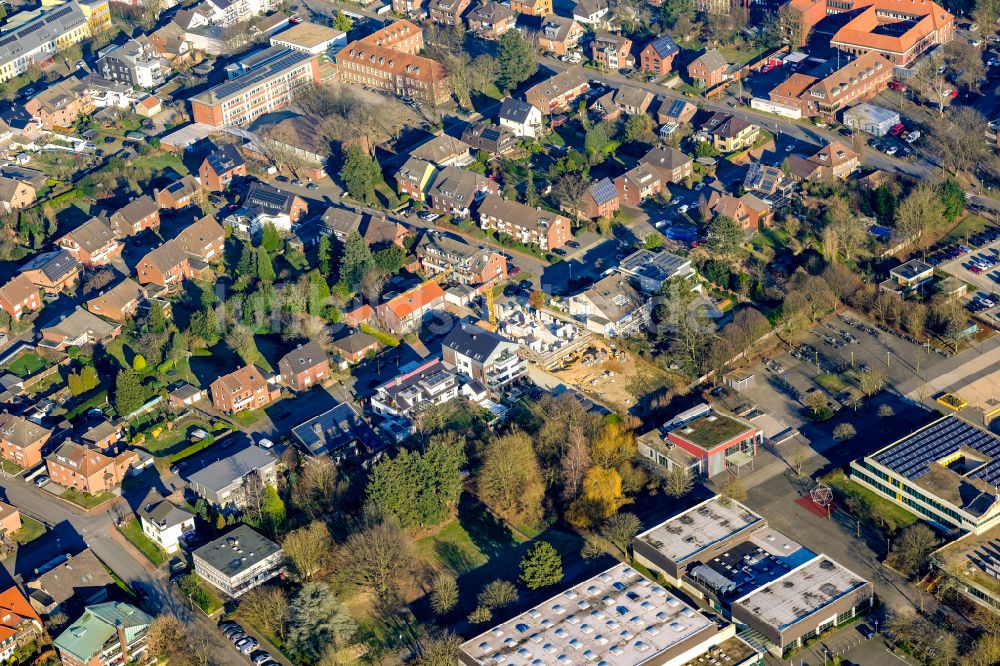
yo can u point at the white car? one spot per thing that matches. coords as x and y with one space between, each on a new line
675 201
683 209
699 187
265 444
891 151
432 217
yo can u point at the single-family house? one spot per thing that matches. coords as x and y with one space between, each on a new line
521 118
304 367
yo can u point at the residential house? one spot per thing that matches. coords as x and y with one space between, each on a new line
657 57
76 329
763 179
167 266
19 623
148 106
406 312
672 165
749 211
472 265
444 150
558 35
651 270
87 470
447 12
239 561
220 166
93 243
19 296
136 63
521 118
638 184
491 19
265 81
709 69
242 389
179 194
203 239
265 204
836 161
389 59
222 478
21 440
675 111
455 191
79 581
53 272
164 522
59 105
119 302
355 347
611 306
102 434
611 51
339 432
494 139
591 12
409 394
136 216
304 367
415 178
15 194
106 635
376 230
601 199
482 356
411 8
527 225
10 522
37 35
731 133
532 7
632 101
558 92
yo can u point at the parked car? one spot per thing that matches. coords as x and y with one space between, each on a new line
866 631
432 216
261 658
513 270
897 86
41 480
561 252
573 244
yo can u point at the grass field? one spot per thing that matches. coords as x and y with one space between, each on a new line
173 441
832 383
200 593
451 549
86 500
847 488
26 364
132 531
969 225
161 162
30 530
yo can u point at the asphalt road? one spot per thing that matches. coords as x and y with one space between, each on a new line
71 527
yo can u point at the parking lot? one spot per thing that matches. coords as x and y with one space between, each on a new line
830 359
976 262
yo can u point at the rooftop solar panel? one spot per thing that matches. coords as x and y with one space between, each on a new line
912 455
290 59
603 191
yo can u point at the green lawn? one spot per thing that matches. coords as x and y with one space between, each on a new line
86 500
189 451
171 442
741 56
200 592
248 416
11 468
847 488
969 225
26 364
452 548
161 162
831 383
132 530
30 530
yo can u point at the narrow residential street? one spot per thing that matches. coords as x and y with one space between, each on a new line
73 528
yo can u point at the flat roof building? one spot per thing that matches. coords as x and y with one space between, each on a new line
724 554
803 603
239 561
946 472
712 441
618 617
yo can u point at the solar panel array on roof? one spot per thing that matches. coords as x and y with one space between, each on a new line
912 455
603 191
289 59
664 46
676 108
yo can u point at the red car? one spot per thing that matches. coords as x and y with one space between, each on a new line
953 94
897 86
897 129
513 270
766 69
975 269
